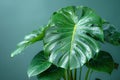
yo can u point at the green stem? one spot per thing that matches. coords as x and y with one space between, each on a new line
90 74
87 74
68 74
71 77
80 73
75 72
65 75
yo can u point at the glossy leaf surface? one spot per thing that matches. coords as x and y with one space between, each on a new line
112 36
53 73
68 41
28 40
38 64
102 62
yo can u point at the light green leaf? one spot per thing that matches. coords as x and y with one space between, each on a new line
112 36
53 73
68 40
38 64
102 62
28 40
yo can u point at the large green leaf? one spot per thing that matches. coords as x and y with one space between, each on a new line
102 62
112 36
38 65
69 40
28 40
53 73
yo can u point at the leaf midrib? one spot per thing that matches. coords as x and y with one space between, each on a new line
72 41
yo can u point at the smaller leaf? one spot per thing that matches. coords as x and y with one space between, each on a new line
102 62
28 40
112 36
53 73
38 65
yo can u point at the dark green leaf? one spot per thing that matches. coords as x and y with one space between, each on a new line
38 65
28 40
112 36
53 73
67 41
102 62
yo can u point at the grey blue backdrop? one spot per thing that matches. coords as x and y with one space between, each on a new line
19 17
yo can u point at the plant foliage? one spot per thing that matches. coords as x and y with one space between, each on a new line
38 65
71 40
29 40
112 36
67 41
102 62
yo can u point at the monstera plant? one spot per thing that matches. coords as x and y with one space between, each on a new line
71 40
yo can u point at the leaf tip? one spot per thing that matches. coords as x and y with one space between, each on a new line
29 75
12 55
